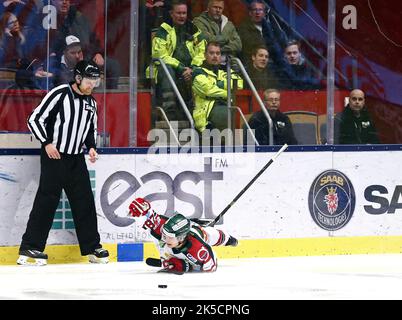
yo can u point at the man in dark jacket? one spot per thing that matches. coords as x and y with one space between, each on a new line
294 72
261 28
70 21
282 127
261 70
63 68
354 124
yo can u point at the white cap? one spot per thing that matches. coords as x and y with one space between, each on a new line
72 40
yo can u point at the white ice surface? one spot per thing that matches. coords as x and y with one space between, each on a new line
325 277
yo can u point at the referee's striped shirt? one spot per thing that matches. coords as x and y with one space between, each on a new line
65 119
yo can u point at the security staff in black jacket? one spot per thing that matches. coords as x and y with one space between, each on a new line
64 121
282 127
354 124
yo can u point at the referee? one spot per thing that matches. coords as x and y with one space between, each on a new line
64 121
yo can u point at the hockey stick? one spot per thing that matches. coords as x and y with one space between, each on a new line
153 262
166 270
213 222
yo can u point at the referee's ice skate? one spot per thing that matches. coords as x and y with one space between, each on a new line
100 255
32 257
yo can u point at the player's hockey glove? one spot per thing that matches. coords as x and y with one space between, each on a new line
176 265
139 207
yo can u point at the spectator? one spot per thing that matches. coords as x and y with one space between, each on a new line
63 68
151 15
216 27
261 28
70 21
155 13
260 70
354 124
282 127
27 11
31 75
294 72
179 43
13 42
16 54
210 91
235 9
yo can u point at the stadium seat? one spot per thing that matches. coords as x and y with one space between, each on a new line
7 77
305 124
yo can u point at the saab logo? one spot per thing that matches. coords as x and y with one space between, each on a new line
331 200
388 203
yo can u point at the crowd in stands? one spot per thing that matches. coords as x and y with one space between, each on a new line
195 49
34 40
196 53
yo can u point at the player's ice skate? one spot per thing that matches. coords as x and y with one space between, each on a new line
232 242
100 255
32 258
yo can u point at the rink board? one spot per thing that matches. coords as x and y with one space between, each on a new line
246 249
281 214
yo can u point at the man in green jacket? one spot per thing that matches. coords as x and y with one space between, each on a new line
180 44
210 91
216 27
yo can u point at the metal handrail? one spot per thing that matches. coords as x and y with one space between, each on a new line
170 126
178 95
258 98
229 90
177 92
246 123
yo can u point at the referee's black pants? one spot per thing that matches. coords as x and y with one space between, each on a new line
71 174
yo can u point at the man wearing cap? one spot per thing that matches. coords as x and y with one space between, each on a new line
70 21
63 68
64 121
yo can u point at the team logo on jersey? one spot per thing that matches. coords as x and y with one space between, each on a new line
89 107
331 200
203 254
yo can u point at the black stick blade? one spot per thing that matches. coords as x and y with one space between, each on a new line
153 262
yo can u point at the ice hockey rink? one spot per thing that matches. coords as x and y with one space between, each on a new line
290 278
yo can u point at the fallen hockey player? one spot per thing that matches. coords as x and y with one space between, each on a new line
183 245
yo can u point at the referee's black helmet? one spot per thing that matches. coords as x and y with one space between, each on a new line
87 69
